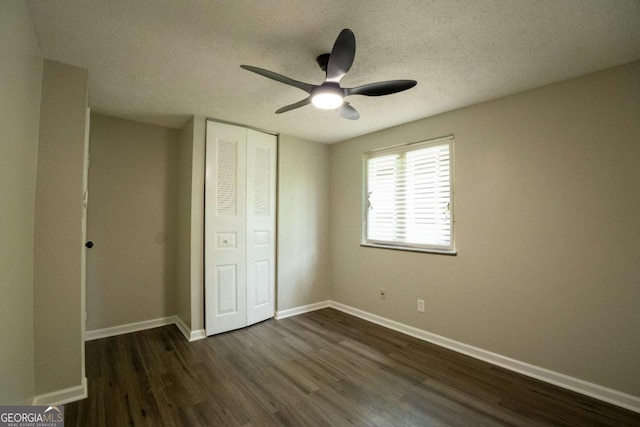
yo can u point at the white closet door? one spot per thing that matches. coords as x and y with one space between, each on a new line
261 225
225 228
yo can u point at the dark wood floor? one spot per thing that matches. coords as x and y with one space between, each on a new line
324 368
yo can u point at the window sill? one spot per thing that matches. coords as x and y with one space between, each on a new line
409 249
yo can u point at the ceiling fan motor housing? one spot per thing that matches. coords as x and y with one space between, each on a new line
323 60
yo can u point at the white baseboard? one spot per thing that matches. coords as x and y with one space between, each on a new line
187 332
198 334
281 314
147 324
62 397
130 327
596 391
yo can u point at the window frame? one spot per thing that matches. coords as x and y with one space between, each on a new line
404 246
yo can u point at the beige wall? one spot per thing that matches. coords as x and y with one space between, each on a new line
132 217
20 84
190 257
58 246
197 224
547 222
303 222
183 255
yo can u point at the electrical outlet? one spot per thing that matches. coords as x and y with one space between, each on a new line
421 305
383 293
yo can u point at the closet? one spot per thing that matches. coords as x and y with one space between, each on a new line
240 221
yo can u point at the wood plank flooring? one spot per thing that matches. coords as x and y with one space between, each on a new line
324 368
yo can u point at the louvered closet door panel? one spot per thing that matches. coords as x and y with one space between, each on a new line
225 228
261 224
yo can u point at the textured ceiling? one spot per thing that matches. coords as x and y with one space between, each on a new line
160 61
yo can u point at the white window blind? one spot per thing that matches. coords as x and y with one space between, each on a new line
408 200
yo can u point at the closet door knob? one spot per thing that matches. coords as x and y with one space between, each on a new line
89 244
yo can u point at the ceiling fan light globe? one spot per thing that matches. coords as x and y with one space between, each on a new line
327 101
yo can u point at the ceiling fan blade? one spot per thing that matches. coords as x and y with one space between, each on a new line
342 54
381 88
279 78
294 106
348 112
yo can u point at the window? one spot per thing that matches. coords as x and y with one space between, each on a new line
408 198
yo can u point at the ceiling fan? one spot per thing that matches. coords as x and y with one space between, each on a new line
329 95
